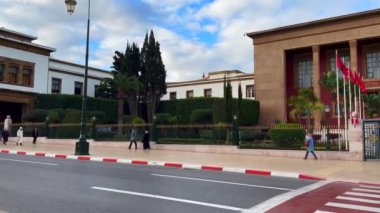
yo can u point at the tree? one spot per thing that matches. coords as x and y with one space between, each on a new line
239 103
373 102
228 102
304 104
153 74
106 89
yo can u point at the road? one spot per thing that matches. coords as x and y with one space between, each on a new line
35 184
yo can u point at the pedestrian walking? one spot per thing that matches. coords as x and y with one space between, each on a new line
20 136
8 125
309 143
35 135
133 138
4 135
145 140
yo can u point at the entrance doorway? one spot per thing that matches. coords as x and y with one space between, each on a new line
12 109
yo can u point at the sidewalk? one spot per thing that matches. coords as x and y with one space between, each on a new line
365 171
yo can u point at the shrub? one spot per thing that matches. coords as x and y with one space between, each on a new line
250 112
207 134
186 106
288 135
218 111
137 120
251 135
201 116
99 115
56 115
72 116
162 118
37 115
173 120
169 106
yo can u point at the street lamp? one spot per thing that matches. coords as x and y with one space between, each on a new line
327 111
82 146
235 132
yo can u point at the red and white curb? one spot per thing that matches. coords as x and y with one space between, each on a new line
167 164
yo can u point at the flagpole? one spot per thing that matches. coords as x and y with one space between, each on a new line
337 89
345 109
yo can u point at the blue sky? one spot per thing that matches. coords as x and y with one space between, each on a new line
196 36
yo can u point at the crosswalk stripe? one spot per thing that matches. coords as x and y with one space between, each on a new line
358 199
366 190
369 187
319 211
362 194
350 206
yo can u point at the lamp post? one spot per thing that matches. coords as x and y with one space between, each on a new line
327 111
235 132
82 146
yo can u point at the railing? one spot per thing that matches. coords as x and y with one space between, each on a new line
253 137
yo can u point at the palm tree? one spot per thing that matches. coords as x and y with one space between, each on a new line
304 104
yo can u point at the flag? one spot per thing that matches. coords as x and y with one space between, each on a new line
361 85
342 67
203 76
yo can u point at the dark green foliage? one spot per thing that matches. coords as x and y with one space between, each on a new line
218 111
201 116
72 116
53 101
373 104
173 120
100 116
228 103
37 115
250 112
251 135
186 106
207 134
137 120
162 118
169 106
56 115
288 135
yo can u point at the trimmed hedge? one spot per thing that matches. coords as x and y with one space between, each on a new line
37 115
207 134
56 115
201 116
163 118
182 109
53 101
188 141
288 135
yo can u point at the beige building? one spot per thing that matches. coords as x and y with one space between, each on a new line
296 56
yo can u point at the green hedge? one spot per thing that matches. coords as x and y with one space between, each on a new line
207 134
201 116
163 118
37 115
54 101
291 136
188 141
186 106
182 109
56 115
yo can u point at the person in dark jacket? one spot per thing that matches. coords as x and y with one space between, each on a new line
5 135
145 140
35 134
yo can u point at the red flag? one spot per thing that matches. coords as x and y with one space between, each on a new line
361 84
342 67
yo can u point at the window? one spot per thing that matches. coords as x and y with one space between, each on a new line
207 93
12 73
189 94
373 65
173 95
305 72
345 58
78 88
26 76
2 71
56 86
250 91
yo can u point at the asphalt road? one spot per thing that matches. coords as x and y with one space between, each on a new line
35 184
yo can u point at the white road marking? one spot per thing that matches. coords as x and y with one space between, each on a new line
284 174
275 201
170 198
33 162
224 182
319 211
356 207
366 190
358 199
362 194
369 187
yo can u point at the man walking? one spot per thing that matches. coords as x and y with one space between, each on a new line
133 138
35 134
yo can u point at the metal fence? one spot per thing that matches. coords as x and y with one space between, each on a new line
253 137
371 145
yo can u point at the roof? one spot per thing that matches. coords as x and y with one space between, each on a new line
28 37
244 76
315 22
78 65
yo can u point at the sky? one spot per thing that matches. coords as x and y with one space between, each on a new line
196 36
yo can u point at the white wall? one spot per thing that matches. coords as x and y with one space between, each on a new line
216 89
40 69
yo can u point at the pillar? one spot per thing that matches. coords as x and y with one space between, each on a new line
316 87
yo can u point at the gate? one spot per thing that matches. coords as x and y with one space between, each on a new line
371 145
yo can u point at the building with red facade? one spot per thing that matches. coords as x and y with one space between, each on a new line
292 57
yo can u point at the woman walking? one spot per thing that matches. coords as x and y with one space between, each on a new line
309 142
145 140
